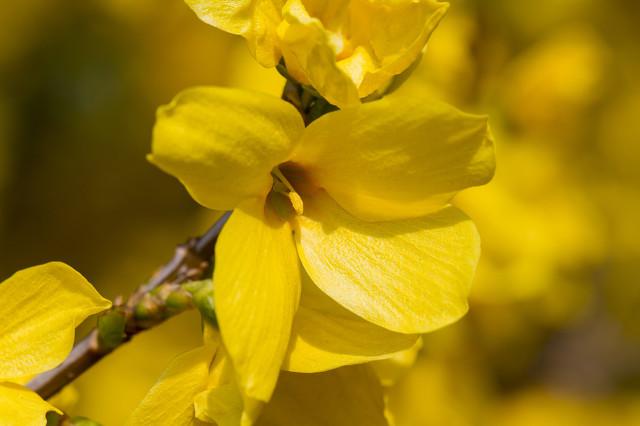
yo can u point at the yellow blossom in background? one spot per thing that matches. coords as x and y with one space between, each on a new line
345 49
445 392
551 85
342 245
41 307
618 130
436 392
448 69
537 222
390 370
622 299
540 406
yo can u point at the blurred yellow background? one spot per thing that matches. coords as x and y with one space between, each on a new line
553 332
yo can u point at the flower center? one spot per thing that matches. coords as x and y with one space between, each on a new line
283 198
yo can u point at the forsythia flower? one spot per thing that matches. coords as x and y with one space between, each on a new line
359 199
41 307
538 224
345 49
200 386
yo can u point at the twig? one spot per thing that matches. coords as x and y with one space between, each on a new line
140 312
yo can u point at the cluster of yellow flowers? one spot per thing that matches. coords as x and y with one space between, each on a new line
342 247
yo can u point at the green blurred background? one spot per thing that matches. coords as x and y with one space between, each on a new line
553 333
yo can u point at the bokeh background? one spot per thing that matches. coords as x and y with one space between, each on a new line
553 333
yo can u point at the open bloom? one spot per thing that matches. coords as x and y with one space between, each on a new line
342 246
41 307
199 387
345 49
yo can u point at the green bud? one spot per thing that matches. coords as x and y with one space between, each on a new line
111 329
147 308
202 292
178 300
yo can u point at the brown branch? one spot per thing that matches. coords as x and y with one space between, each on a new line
141 311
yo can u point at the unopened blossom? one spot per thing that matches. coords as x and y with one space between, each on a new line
342 246
345 49
41 307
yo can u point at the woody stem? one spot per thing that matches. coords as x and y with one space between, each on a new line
141 311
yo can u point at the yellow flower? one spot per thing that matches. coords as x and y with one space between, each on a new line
41 307
345 49
199 386
526 254
359 199
550 87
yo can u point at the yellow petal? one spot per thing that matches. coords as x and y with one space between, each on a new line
221 405
347 396
170 400
310 58
41 307
391 35
325 335
255 20
348 49
20 406
410 276
257 288
390 370
403 156
222 143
